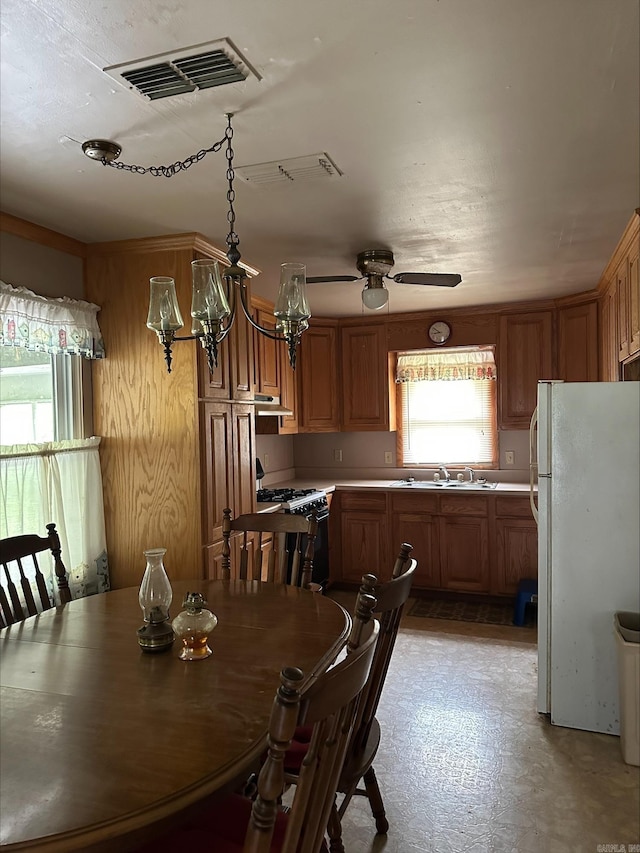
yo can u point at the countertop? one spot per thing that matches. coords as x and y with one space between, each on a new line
516 489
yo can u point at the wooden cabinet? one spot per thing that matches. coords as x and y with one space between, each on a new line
525 357
619 311
368 390
578 342
227 464
463 529
318 389
154 480
359 519
516 553
267 350
415 521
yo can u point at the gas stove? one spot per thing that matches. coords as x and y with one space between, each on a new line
296 501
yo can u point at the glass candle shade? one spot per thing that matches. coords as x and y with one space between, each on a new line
291 303
208 300
193 625
155 590
164 311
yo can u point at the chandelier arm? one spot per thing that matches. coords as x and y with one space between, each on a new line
268 333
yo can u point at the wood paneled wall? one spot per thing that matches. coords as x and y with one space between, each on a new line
147 418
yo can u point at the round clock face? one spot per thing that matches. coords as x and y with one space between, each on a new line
439 332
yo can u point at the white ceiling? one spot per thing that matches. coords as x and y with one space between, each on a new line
494 138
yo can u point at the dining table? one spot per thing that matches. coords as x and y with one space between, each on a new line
104 746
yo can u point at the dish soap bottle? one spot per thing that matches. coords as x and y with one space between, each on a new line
193 626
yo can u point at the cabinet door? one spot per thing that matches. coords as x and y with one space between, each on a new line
244 459
609 365
367 403
363 545
634 301
524 359
217 466
420 530
268 380
240 353
517 553
578 343
622 290
288 424
318 384
464 553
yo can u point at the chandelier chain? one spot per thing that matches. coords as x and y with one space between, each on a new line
167 171
232 238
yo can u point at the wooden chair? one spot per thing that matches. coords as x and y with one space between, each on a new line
365 740
327 703
293 545
13 551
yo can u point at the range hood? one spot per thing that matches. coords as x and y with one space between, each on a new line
265 405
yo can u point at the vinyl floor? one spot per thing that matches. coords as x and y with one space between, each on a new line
467 765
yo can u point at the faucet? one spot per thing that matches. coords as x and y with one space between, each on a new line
443 471
472 473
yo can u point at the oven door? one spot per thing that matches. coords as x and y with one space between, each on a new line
320 571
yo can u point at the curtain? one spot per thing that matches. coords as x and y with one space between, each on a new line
48 325
452 364
58 482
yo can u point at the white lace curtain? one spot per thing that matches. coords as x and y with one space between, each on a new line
48 325
58 482
453 364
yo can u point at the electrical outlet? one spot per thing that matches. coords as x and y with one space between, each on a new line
265 459
509 457
388 457
337 456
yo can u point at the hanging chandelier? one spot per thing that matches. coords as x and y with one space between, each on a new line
214 303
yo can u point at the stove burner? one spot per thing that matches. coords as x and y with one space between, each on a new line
282 495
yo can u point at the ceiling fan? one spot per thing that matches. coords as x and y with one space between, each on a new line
374 265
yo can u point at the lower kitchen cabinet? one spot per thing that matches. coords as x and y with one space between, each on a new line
361 529
417 525
516 552
464 553
468 543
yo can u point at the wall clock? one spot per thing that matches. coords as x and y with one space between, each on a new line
439 332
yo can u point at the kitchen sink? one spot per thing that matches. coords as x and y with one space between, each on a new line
442 484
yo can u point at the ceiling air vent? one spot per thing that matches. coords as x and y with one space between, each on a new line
201 66
295 169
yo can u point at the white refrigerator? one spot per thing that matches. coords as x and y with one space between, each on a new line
585 443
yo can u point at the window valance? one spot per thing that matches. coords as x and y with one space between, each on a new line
49 325
452 364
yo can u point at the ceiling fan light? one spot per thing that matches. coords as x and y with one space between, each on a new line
375 298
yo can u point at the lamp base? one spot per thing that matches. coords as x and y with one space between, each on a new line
156 636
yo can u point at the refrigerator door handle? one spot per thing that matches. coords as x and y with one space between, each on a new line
533 462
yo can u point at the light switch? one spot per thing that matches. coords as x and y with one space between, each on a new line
509 457
337 456
388 457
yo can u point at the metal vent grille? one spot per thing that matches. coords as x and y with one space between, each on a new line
168 75
293 170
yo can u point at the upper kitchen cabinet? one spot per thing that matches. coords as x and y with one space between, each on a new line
525 357
368 389
318 388
620 304
578 342
267 350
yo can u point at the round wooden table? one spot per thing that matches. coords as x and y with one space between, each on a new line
100 742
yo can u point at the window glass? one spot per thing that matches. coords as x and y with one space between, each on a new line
449 421
27 411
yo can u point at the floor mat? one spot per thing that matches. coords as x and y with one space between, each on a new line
470 611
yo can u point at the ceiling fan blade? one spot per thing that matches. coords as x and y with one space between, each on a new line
317 279
435 279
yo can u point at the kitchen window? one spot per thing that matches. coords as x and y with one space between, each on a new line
448 407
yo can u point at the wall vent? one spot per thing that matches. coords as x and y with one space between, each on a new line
293 170
201 66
